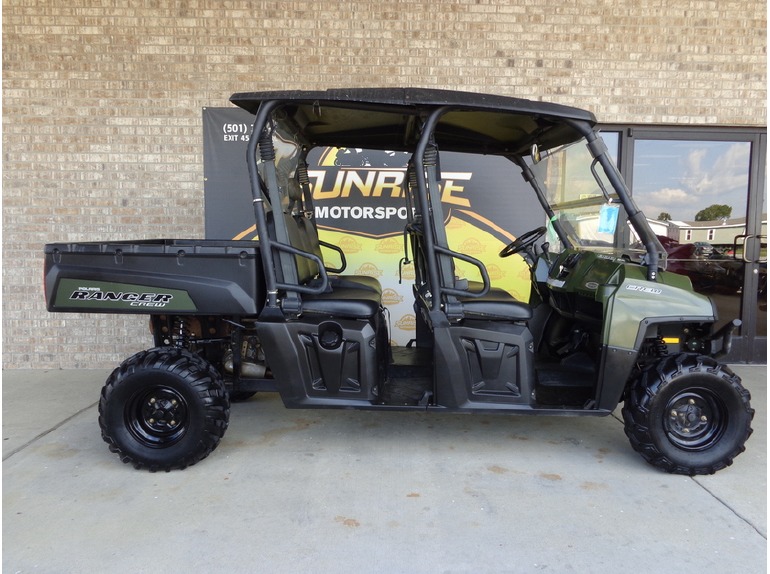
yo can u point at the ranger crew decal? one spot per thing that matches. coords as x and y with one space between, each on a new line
132 298
93 295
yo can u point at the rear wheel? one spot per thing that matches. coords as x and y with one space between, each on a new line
688 415
163 409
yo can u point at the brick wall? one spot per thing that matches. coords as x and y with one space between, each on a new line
102 103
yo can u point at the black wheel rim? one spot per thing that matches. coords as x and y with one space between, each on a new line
157 417
695 420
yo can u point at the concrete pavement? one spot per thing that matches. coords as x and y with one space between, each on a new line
350 491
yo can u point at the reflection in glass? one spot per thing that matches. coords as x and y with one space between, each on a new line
696 191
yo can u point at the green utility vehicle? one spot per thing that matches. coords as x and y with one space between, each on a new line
602 325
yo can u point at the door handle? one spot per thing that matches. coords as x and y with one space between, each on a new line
746 238
761 238
736 244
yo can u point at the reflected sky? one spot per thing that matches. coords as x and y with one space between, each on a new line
683 177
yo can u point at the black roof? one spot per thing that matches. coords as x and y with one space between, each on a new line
386 118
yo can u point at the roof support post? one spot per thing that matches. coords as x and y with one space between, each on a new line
429 199
257 193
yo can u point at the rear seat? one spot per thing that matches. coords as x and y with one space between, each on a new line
348 296
309 241
344 302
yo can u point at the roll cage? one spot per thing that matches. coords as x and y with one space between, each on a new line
420 121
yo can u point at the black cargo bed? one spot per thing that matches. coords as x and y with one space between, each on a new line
185 276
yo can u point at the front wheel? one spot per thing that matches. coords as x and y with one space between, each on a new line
688 415
163 409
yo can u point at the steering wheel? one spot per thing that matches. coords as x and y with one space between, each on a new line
523 242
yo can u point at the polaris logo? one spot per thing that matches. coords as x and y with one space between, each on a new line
133 299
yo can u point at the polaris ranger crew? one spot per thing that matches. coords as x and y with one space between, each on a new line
602 324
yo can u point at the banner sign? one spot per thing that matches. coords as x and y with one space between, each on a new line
360 206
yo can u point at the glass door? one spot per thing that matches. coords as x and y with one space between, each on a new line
704 195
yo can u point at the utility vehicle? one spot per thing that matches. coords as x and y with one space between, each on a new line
602 325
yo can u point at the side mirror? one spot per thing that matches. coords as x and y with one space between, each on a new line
535 153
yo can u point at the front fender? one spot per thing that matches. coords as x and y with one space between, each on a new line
633 303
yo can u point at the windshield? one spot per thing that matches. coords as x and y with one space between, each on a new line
585 205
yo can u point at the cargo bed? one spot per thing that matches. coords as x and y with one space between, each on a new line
183 276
